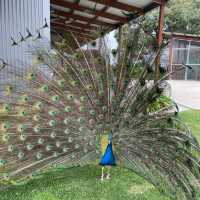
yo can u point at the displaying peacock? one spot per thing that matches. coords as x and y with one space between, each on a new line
75 108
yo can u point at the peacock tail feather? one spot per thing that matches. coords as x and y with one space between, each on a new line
60 113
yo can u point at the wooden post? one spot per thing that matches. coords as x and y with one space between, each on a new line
170 56
159 38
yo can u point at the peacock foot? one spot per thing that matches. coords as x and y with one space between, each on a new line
108 177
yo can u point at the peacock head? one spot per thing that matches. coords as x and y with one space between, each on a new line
110 137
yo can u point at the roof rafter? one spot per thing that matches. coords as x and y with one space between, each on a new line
75 24
157 1
79 7
70 29
82 18
119 5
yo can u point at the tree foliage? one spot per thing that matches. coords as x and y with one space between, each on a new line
180 16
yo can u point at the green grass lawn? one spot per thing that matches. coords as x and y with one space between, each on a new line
192 119
83 182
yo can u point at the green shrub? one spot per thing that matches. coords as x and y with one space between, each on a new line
159 103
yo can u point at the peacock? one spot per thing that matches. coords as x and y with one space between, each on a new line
75 107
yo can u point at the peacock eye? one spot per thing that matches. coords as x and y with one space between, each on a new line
2 162
81 109
53 135
101 93
45 88
58 144
48 147
61 83
70 140
55 154
67 131
84 71
38 105
40 141
104 108
66 121
7 108
29 146
89 87
82 98
23 113
52 123
39 155
85 150
68 109
70 96
36 118
53 113
81 120
73 156
91 121
101 116
21 155
81 129
73 83
5 137
23 137
65 149
55 98
77 146
92 112
11 148
5 126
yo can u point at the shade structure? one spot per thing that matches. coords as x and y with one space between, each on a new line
84 17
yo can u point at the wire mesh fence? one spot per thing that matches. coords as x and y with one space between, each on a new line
188 53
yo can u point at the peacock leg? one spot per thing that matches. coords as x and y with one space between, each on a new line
102 173
108 173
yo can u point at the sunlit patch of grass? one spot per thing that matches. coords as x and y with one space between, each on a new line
192 119
140 189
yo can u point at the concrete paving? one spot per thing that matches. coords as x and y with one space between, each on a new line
186 93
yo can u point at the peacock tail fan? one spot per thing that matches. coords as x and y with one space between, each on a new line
66 103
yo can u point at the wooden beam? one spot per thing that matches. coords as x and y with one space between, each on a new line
72 45
76 24
69 29
160 39
119 5
76 6
82 18
157 1
170 57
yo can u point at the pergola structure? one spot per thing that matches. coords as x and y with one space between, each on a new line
84 17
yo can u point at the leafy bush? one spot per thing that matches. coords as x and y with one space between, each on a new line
159 103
